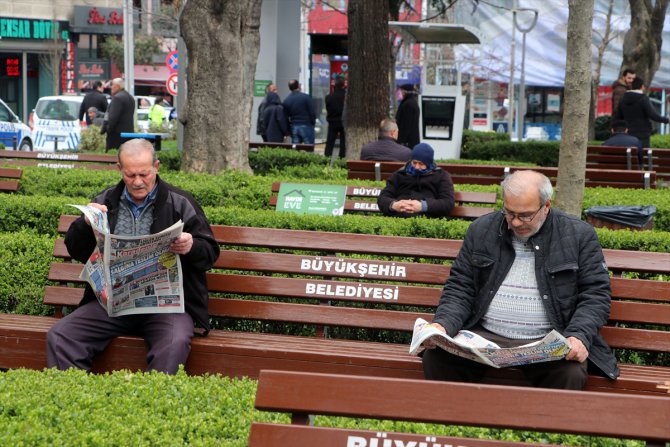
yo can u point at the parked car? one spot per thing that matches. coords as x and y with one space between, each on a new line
11 127
56 124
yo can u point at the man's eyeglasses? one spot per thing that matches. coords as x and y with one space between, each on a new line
523 217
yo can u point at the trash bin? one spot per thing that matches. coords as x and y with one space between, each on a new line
622 217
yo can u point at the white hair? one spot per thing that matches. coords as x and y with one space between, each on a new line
119 82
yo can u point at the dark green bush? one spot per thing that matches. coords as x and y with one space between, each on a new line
23 272
541 153
271 161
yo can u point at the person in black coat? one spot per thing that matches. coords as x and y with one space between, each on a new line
94 98
620 138
120 116
635 108
334 109
407 117
276 122
420 188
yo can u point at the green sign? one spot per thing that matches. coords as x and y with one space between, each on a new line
32 29
259 87
302 198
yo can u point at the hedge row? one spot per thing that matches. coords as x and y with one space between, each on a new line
67 408
541 153
237 189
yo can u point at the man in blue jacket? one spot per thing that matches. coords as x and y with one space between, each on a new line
300 111
519 274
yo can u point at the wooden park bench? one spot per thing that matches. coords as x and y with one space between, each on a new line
615 157
9 179
305 300
299 146
304 395
60 160
359 200
659 160
493 174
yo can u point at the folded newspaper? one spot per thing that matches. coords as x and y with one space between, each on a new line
134 274
477 348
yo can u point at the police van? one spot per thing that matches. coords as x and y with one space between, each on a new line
56 124
13 131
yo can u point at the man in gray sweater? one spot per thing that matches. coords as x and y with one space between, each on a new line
519 274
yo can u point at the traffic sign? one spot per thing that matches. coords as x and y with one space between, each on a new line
171 84
172 61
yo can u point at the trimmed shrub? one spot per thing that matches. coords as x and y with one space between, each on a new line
660 141
23 272
91 140
541 153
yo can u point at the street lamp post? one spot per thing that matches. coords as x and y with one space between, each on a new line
521 104
128 47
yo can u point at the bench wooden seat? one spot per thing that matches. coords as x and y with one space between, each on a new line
658 159
304 300
61 160
493 175
544 410
356 193
9 179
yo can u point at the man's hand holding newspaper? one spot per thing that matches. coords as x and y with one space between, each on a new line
475 347
135 274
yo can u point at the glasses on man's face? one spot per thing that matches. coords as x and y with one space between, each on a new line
523 217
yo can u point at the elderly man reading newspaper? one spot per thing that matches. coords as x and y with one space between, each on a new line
521 274
141 204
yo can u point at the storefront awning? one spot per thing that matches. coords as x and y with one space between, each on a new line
151 76
423 32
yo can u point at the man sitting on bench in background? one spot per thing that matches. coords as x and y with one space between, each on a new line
519 274
386 148
138 205
421 188
620 138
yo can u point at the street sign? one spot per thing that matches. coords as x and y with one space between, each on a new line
172 61
171 84
311 199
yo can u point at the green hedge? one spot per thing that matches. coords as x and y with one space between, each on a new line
73 408
541 153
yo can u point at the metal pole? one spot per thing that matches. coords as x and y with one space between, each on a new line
521 103
510 87
521 110
128 47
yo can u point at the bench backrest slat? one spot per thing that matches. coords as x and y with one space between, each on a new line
626 416
490 174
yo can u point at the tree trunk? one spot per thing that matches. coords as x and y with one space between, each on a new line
367 92
223 41
572 158
595 83
642 43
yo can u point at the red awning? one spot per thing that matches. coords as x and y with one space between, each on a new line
151 75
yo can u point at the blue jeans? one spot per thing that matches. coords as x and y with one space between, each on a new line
302 133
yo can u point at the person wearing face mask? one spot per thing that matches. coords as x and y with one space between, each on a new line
420 188
519 274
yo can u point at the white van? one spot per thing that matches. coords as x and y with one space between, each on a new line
56 124
12 128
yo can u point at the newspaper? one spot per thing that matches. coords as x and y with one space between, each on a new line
477 348
134 274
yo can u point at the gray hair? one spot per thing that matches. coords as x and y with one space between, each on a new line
119 82
387 126
135 146
518 183
92 109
